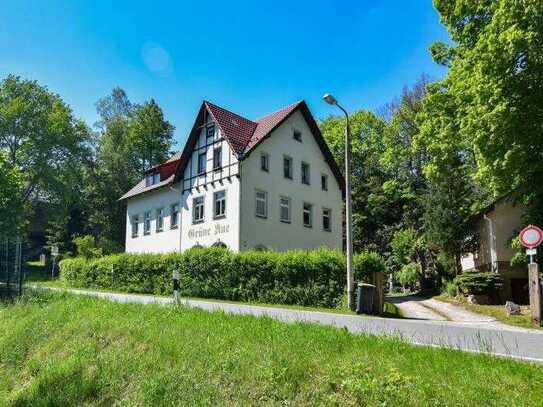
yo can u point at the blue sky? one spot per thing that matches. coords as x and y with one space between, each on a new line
251 57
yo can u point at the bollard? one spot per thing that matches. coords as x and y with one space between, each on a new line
176 287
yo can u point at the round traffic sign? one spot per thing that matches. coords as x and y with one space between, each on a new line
531 236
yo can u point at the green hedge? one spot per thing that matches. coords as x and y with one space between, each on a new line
312 278
477 283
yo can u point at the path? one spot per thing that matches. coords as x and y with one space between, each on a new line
519 343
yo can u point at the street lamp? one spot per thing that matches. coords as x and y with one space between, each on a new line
328 98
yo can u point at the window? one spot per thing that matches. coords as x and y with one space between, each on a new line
202 163
308 215
210 131
219 199
147 223
305 174
261 204
265 162
135 225
198 210
152 179
297 135
326 219
324 182
174 216
217 158
160 219
284 209
287 167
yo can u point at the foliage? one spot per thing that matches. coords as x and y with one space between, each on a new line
65 350
86 247
519 258
314 278
11 205
486 283
409 275
451 289
490 100
367 263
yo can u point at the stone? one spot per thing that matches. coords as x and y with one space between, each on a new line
511 308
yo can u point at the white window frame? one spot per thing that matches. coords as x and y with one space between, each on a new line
285 202
305 178
217 202
147 223
265 159
291 166
174 216
326 212
324 182
159 227
200 155
197 202
265 200
210 131
135 224
310 211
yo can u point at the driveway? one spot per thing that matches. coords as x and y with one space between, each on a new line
506 341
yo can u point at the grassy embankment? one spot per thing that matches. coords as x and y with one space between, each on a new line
496 311
59 349
37 275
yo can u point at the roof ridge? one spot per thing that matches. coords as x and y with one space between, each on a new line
278 110
207 102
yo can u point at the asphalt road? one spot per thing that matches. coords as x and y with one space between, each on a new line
519 343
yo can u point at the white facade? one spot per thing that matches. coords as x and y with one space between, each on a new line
228 188
270 231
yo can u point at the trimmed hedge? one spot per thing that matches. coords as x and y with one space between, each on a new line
311 278
479 283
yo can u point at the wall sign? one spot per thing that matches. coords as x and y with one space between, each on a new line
217 229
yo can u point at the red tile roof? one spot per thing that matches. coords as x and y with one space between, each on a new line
243 135
236 130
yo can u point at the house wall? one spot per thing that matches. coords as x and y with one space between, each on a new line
271 232
225 230
156 242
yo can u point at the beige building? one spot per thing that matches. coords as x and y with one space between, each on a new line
496 225
244 184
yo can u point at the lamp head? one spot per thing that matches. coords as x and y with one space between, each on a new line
328 98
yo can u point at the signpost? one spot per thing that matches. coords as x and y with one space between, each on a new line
54 253
531 237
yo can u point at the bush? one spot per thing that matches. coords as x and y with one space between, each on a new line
479 283
451 289
367 263
409 275
311 278
86 247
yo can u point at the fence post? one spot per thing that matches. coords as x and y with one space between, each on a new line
176 287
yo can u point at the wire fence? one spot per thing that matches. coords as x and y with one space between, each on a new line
11 267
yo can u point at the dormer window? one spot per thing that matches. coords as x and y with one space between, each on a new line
152 179
297 135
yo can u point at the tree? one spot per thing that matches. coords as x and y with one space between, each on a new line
494 89
11 205
150 136
38 132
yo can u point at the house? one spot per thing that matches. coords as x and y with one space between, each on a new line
496 225
270 183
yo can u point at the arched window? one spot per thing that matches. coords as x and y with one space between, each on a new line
218 243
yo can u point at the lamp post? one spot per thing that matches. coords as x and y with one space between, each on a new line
348 204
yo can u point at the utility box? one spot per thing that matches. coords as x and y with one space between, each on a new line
364 300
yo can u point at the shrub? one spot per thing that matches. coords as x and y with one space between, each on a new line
479 283
409 274
312 278
451 289
86 247
367 263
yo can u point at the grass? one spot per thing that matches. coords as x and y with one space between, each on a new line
497 311
59 349
36 275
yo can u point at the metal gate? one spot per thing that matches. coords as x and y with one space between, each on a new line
11 267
